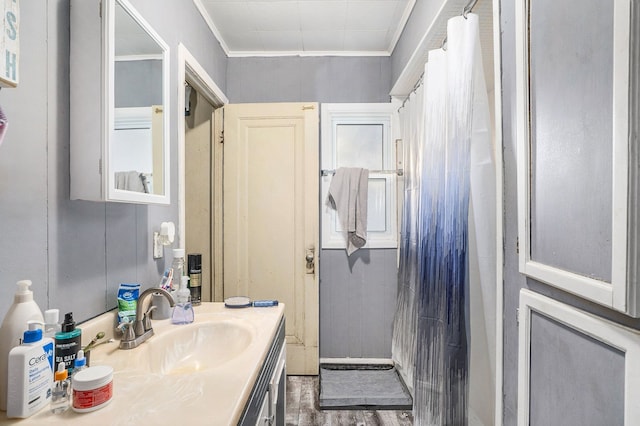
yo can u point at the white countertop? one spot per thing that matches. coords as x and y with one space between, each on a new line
215 396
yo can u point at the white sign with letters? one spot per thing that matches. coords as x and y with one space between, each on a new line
9 44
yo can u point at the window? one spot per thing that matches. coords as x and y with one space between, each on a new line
360 135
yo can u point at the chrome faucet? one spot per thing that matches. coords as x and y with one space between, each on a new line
135 334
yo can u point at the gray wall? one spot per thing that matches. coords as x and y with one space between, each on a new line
357 303
76 252
309 79
514 281
138 83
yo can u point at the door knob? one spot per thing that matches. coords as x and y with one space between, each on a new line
310 256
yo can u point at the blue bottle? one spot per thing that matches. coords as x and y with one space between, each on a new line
183 311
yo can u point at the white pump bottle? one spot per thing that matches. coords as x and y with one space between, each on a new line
23 310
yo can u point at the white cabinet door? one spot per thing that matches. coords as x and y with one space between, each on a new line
264 418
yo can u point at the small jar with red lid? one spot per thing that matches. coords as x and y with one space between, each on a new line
92 388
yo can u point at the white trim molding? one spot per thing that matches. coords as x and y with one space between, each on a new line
608 333
618 293
498 144
190 69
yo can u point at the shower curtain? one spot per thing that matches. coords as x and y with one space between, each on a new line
444 124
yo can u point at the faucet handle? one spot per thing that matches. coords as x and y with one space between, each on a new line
146 320
127 331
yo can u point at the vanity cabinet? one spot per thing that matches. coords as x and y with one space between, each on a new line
119 115
266 405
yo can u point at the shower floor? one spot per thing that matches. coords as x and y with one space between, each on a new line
378 387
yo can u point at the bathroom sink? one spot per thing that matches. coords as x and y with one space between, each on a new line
197 347
212 363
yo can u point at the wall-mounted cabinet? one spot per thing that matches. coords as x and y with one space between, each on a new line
119 75
578 91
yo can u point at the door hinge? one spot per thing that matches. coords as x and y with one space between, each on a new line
517 245
517 316
221 121
100 9
100 166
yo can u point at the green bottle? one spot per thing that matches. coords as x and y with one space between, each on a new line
68 342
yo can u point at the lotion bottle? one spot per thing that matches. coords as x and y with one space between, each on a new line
23 310
30 374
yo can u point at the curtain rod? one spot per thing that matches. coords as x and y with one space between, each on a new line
465 11
331 172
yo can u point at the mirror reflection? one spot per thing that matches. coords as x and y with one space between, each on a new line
136 151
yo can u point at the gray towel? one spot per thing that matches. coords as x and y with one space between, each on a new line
348 196
129 181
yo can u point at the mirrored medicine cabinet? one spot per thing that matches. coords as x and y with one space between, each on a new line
119 77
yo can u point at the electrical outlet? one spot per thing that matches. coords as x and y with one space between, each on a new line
158 251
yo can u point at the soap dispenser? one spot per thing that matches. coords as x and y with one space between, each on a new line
183 311
23 309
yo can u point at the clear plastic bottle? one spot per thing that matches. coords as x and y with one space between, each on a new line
183 311
61 391
51 322
178 269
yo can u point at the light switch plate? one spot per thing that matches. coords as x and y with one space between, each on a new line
158 251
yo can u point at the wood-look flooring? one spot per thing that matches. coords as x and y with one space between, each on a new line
303 409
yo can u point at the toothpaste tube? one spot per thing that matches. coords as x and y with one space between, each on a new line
127 302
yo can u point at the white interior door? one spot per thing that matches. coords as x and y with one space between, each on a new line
271 207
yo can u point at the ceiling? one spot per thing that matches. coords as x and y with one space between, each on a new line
306 27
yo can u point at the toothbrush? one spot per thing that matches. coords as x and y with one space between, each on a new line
165 284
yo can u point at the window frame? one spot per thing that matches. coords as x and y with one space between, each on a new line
333 115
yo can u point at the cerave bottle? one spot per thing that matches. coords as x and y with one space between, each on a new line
30 374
